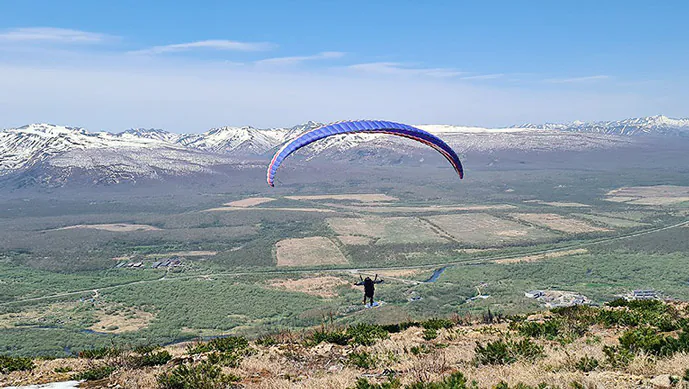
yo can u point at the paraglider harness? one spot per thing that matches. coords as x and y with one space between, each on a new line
369 287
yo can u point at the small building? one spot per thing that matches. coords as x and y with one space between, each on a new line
534 294
155 264
644 295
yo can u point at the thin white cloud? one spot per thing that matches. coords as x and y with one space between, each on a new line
575 80
298 59
212 44
483 77
399 69
51 35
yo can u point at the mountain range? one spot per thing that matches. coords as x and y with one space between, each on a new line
51 155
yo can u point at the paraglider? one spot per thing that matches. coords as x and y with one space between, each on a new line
363 126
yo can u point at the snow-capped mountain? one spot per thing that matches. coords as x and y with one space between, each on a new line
55 153
652 125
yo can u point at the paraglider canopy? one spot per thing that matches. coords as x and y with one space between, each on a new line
366 126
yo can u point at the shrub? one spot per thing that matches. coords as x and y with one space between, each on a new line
503 352
150 359
454 381
587 364
362 383
617 357
363 360
99 353
430 334
395 328
9 364
649 341
366 334
323 335
266 341
94 374
201 376
436 324
548 329
62 369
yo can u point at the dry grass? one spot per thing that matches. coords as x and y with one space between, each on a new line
610 221
364 198
660 195
559 222
562 204
408 209
117 323
481 228
250 202
120 227
388 229
312 251
541 257
222 209
355 240
321 286
183 254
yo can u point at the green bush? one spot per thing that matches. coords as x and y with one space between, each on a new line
395 328
454 381
9 364
617 356
201 376
99 353
430 334
549 329
363 360
503 352
366 334
436 324
587 364
94 374
62 369
266 341
150 359
323 335
362 383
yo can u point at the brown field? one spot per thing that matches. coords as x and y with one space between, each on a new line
650 195
433 208
250 202
321 286
116 323
355 240
267 209
481 228
364 198
388 229
558 222
184 254
112 227
312 251
610 221
540 257
401 272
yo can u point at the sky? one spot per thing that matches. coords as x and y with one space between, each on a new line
188 66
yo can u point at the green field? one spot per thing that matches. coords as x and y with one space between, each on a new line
61 288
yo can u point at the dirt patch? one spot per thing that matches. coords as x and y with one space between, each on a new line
481 228
324 286
364 198
124 321
121 227
388 229
184 254
661 195
267 209
313 251
559 222
355 240
250 202
610 221
540 257
401 272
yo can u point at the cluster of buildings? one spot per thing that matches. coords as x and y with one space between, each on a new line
557 298
648 294
166 262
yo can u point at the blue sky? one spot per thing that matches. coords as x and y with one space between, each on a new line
188 66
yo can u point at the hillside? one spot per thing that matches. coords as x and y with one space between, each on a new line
625 344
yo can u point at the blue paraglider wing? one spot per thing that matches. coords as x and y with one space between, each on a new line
365 126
